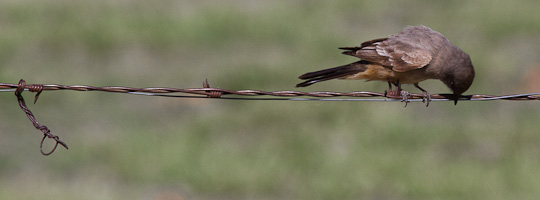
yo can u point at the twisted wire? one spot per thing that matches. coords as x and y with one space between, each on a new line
216 93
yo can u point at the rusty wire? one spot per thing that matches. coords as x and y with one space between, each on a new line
207 92
46 132
216 93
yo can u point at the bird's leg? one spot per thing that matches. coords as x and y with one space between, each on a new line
390 92
398 92
427 97
387 92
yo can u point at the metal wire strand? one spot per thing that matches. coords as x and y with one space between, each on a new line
215 93
207 92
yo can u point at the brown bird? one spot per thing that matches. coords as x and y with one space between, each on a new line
415 54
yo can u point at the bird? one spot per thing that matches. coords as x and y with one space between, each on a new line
415 54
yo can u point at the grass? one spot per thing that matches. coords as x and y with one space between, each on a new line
135 147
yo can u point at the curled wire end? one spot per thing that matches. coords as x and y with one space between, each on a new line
54 137
41 147
211 94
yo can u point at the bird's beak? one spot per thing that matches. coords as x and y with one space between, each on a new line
456 98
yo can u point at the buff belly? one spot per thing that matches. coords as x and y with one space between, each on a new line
382 73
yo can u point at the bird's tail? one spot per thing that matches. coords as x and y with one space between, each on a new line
332 73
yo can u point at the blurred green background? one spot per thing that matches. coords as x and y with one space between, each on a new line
137 147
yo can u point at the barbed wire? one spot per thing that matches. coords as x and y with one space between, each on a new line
216 93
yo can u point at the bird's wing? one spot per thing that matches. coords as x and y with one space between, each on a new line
402 56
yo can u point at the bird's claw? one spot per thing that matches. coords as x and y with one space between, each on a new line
405 97
426 98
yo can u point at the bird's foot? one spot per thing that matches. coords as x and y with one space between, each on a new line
426 98
405 97
398 94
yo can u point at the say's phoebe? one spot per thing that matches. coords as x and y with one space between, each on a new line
415 54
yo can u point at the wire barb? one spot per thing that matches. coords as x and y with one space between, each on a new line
30 115
35 88
211 94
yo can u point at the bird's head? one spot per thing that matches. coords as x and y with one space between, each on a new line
459 75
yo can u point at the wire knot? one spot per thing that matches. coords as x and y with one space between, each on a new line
20 88
213 93
36 88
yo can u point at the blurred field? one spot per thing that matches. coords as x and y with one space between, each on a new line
136 147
